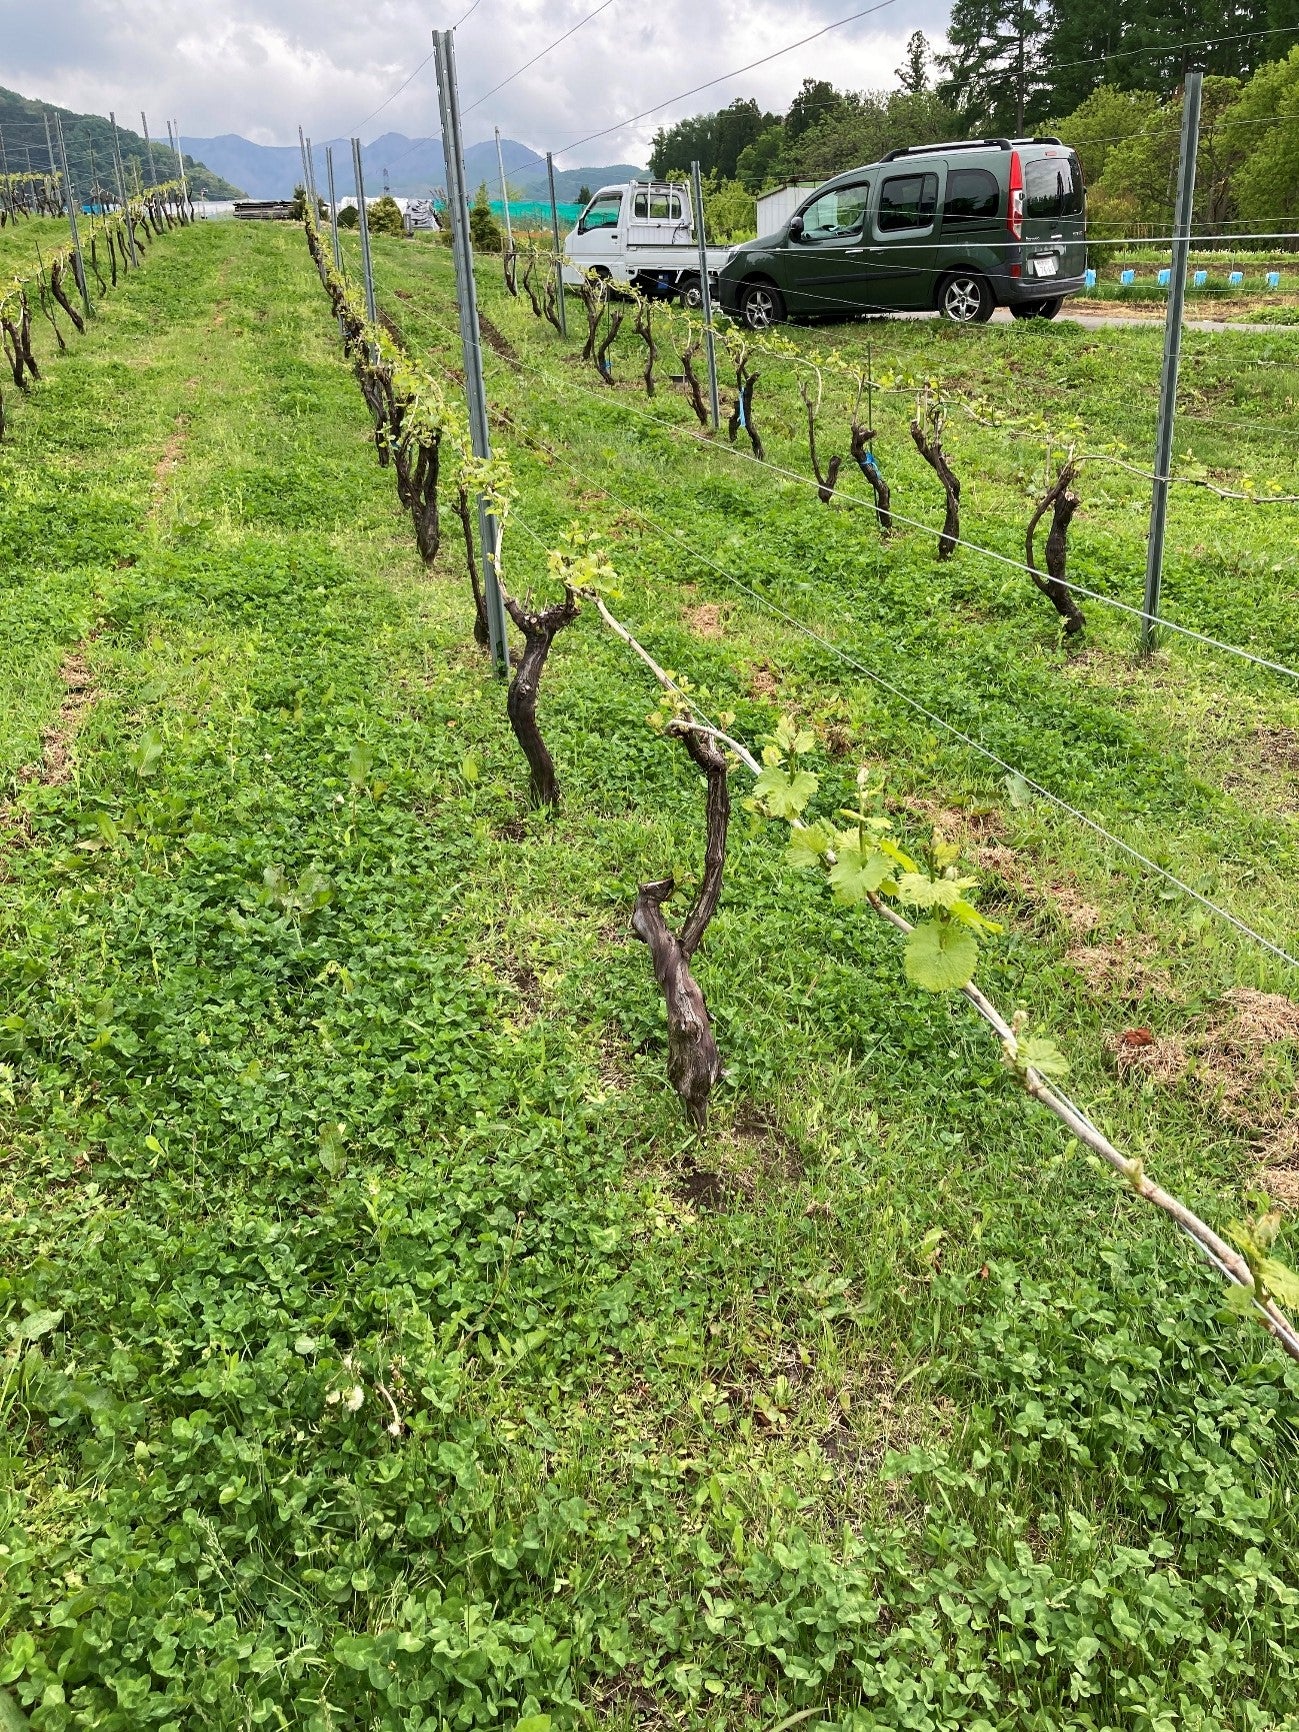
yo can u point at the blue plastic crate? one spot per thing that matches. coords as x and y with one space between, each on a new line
1199 279
1235 278
1165 277
1089 279
1274 279
1127 278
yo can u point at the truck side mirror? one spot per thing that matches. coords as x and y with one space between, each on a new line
796 228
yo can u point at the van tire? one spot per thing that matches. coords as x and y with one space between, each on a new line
761 306
965 298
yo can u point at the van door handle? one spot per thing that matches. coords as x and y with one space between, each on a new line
852 252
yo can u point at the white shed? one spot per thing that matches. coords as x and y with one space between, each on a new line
776 208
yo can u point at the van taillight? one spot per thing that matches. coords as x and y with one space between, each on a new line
1015 213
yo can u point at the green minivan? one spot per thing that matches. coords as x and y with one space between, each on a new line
958 228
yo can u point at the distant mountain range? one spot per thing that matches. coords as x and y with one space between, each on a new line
411 166
89 141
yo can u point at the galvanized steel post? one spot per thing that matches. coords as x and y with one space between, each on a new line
559 261
371 310
1172 357
505 192
489 529
121 188
72 219
705 296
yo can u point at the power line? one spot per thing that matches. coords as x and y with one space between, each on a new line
467 14
477 103
354 131
738 71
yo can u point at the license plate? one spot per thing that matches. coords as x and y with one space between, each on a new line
1044 267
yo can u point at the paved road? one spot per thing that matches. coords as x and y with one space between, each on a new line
1094 321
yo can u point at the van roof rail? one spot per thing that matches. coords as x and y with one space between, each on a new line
965 144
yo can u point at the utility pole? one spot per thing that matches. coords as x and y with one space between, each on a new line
72 220
121 188
371 311
1172 358
705 295
554 233
505 193
489 529
148 151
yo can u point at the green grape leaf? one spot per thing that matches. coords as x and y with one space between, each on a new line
783 795
922 892
1281 1281
969 915
854 874
808 845
940 956
899 856
1044 1056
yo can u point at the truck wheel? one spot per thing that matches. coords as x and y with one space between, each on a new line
761 306
692 295
965 298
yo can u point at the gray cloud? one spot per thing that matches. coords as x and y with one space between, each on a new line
259 67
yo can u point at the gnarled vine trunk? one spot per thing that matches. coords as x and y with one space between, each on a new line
539 632
929 443
864 458
694 1064
825 484
482 637
1062 504
742 413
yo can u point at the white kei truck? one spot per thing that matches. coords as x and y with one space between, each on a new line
641 234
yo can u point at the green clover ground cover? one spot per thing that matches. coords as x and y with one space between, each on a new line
382 1350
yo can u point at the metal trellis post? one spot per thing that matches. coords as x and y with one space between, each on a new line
306 174
489 529
311 181
333 222
554 234
505 192
121 188
705 296
180 164
1172 358
148 151
371 311
72 219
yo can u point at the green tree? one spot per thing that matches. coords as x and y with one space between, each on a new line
878 123
1265 183
716 140
1139 182
761 163
730 213
583 195
484 230
993 69
913 74
816 103
1102 122
383 217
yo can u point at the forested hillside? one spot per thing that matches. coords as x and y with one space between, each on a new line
89 140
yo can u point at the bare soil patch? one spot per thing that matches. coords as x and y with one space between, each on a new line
705 621
79 694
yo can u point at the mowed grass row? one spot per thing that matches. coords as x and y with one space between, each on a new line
384 1352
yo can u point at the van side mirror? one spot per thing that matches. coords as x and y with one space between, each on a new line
796 228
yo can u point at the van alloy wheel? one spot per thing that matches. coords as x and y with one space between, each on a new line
762 307
966 299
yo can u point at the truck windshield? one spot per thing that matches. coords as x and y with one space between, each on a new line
603 212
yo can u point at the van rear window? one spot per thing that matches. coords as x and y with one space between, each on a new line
1052 188
908 201
972 196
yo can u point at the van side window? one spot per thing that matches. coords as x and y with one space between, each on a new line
837 215
908 201
603 212
1052 188
972 196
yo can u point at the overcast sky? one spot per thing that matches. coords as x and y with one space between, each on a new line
259 67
